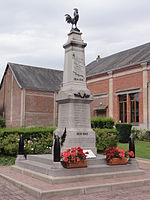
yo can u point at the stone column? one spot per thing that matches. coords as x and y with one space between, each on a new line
22 110
128 109
11 99
145 95
74 98
55 110
110 94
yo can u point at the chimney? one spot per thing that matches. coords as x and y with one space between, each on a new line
98 58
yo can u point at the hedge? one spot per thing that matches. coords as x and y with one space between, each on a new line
102 122
40 140
36 140
124 131
105 138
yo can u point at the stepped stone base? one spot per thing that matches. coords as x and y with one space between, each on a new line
44 164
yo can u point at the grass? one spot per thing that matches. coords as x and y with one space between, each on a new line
142 149
7 160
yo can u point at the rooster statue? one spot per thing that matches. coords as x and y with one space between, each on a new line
73 20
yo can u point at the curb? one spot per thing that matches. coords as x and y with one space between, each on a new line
143 160
43 195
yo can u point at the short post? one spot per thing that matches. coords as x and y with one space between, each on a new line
20 156
56 148
131 144
21 145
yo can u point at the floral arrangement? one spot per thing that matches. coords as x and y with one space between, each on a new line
73 155
115 152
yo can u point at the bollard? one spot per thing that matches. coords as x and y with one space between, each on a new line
131 144
56 148
21 145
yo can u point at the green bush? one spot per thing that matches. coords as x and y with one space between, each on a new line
147 136
102 122
2 122
36 140
124 131
105 138
142 135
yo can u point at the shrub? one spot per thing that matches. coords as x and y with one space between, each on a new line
124 131
36 140
105 138
141 135
138 134
2 122
102 122
147 136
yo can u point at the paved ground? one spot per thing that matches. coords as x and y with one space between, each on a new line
9 192
132 194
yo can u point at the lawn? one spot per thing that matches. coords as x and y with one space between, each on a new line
7 160
142 149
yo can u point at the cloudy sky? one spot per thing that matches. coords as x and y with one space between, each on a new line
33 32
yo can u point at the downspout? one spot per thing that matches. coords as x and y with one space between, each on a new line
148 107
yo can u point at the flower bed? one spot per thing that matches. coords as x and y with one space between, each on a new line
74 158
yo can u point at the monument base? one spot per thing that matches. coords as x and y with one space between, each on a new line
84 138
44 164
74 115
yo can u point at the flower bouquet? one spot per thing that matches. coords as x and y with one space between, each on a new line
74 158
116 156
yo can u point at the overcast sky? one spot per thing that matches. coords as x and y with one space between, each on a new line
32 32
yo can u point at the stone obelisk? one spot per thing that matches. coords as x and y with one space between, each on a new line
74 98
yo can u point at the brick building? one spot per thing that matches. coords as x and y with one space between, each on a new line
27 95
120 84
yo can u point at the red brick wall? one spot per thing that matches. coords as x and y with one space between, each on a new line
120 83
98 87
10 95
39 108
127 82
35 108
97 102
7 99
2 91
16 109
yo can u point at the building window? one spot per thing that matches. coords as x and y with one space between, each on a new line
134 99
100 113
123 108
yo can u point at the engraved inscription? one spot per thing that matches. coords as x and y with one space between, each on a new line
82 133
78 69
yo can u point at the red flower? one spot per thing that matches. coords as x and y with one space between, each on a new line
131 153
73 155
115 152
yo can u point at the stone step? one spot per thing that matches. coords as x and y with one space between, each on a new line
44 190
44 158
34 166
47 159
69 179
56 170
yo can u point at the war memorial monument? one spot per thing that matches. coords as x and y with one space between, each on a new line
73 116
